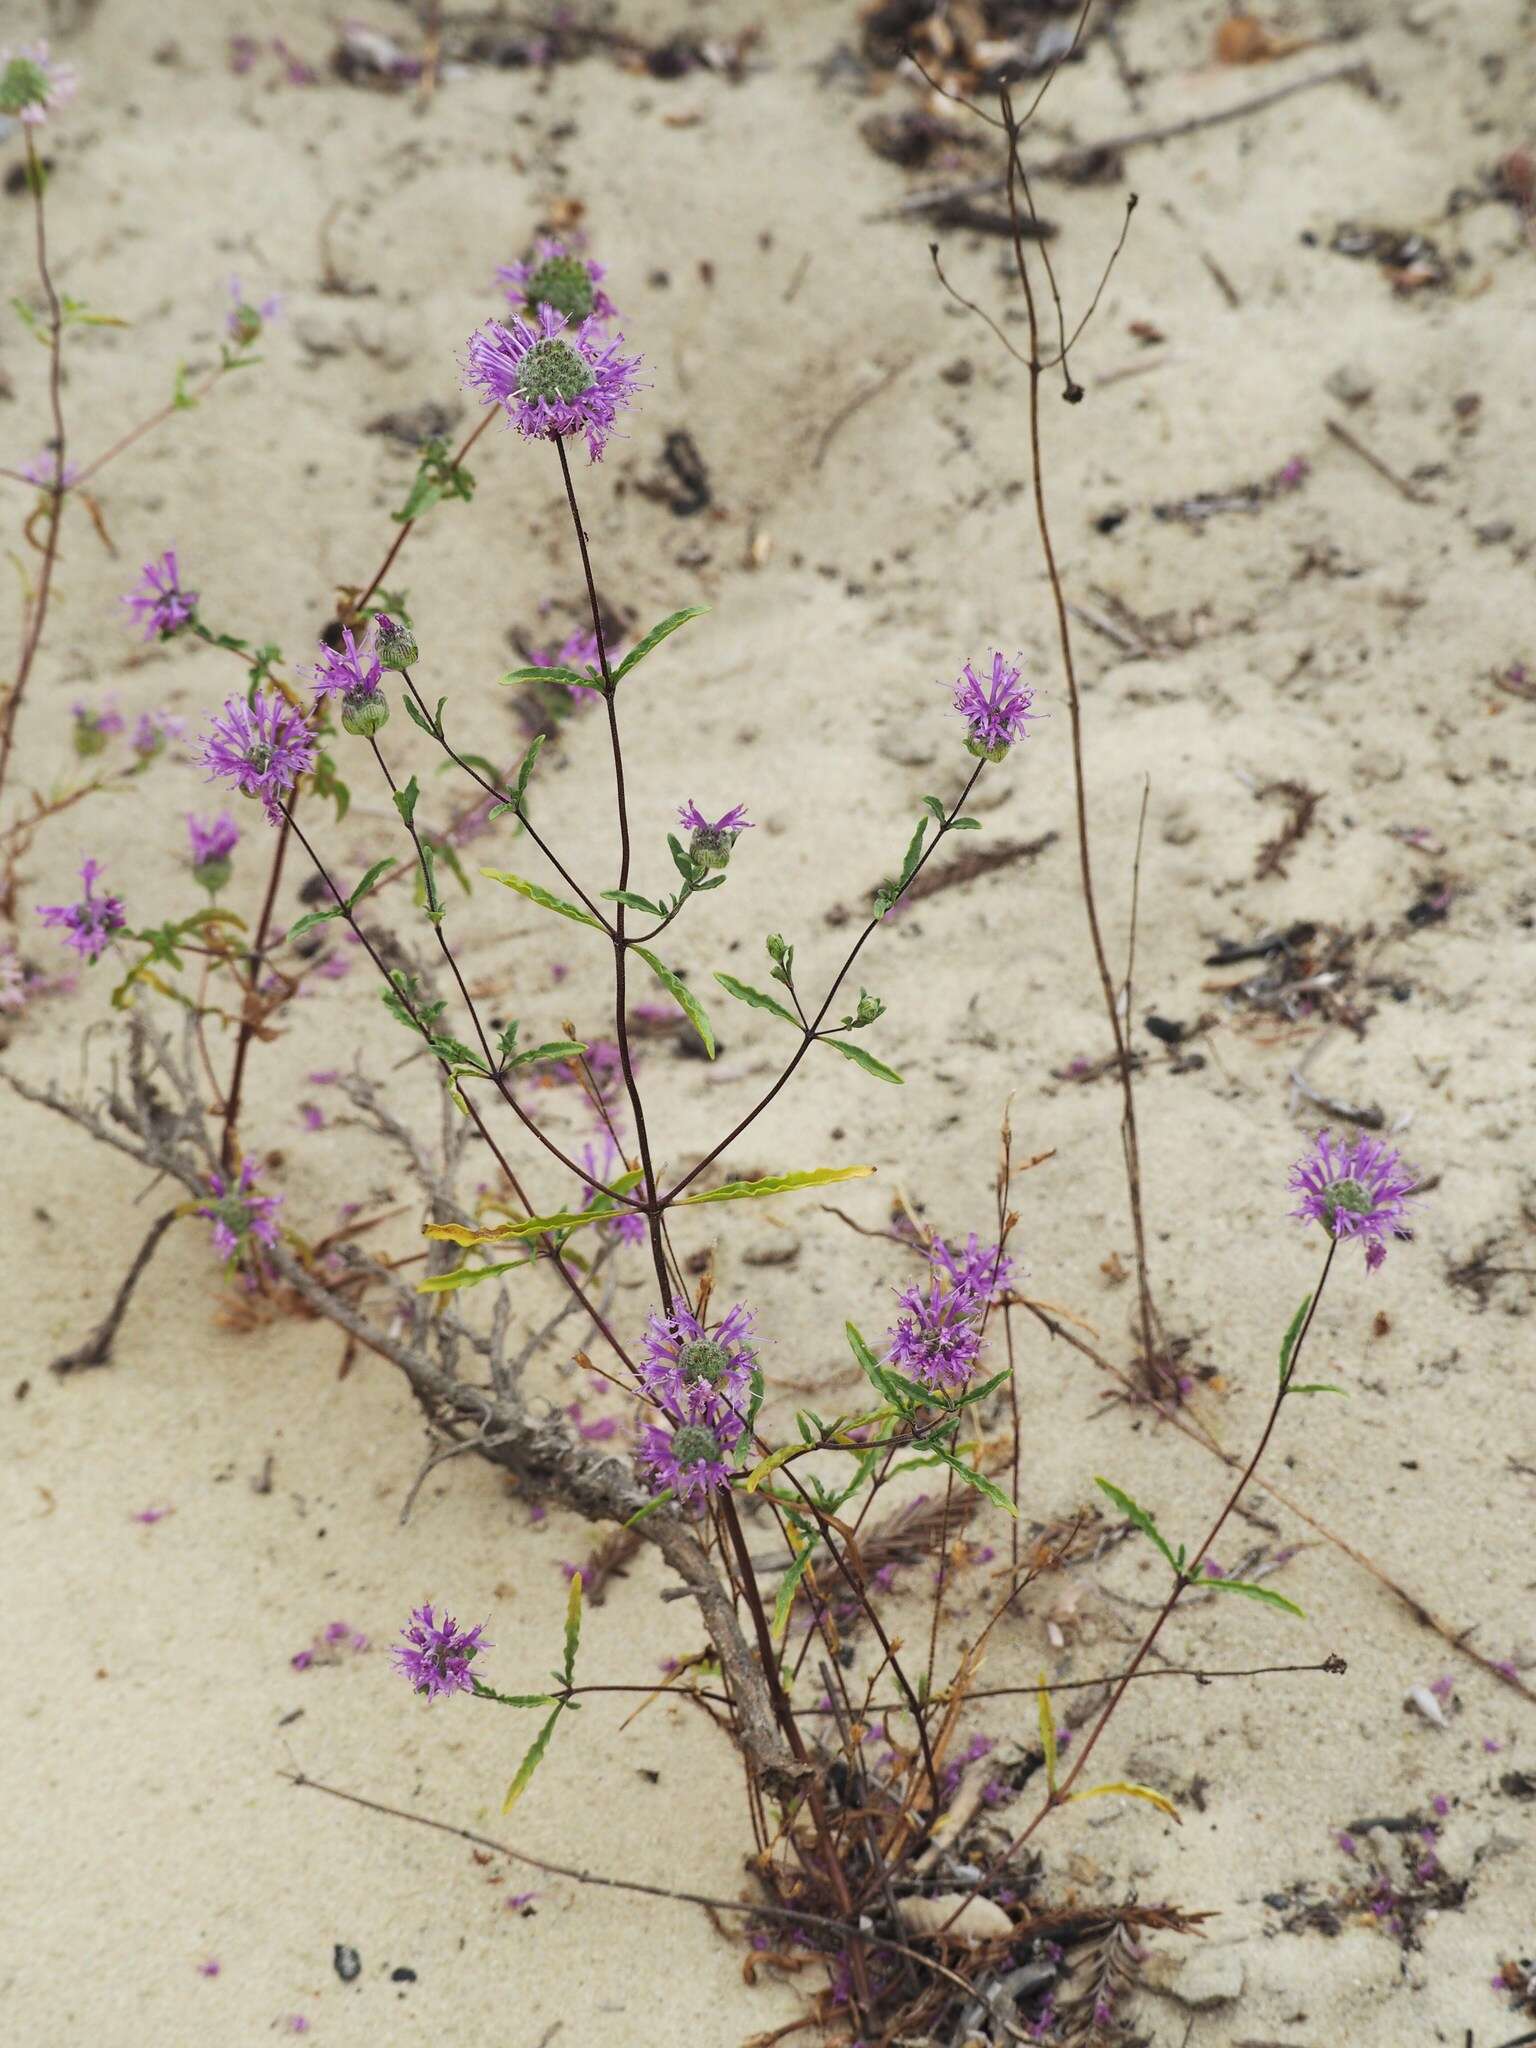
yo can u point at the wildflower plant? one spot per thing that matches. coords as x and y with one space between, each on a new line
709 1446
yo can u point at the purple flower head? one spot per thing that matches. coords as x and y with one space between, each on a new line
32 85
602 1161
680 1359
244 322
261 747
553 379
713 838
984 1270
937 1340
352 673
43 470
212 845
570 285
238 1214
995 711
94 728
158 602
1358 1190
436 1656
691 1453
90 923
153 731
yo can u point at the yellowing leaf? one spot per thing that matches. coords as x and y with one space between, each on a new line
771 1463
779 1184
1047 1733
1128 1791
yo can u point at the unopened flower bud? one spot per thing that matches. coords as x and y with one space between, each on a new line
213 875
394 642
364 712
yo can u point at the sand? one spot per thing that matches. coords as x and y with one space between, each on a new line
868 530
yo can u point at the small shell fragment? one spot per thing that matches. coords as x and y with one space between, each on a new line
1423 1701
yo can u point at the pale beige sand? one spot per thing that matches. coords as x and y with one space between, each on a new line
150 1702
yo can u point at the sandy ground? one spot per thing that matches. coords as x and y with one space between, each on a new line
1343 633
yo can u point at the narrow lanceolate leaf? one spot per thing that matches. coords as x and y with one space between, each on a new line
1047 1732
557 1049
650 1507
778 1184
1252 1593
535 1226
869 1365
631 901
1319 1387
654 638
1289 1340
744 992
978 1480
370 881
766 1466
788 1587
545 675
466 1276
1140 1517
866 1060
572 1627
1123 1790
405 799
419 717
681 994
530 1763
543 897
315 917
503 1233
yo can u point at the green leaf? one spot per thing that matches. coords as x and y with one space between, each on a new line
314 917
329 784
1140 1517
520 784
788 1586
744 992
421 718
683 996
965 824
530 1762
370 881
457 1054
866 1060
1320 1387
544 675
868 1363
633 902
654 638
685 863
778 1184
1252 1593
467 1276
1289 1341
650 1507
541 896
572 1627
557 1049
936 808
978 1480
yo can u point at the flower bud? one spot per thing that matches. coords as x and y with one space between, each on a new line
711 847
394 642
364 712
213 875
